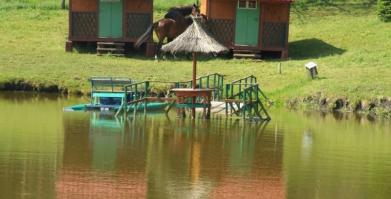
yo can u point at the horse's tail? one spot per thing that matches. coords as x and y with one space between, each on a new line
145 36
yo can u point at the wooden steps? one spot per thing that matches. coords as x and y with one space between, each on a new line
247 54
113 48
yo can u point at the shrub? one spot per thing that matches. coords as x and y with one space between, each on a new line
384 10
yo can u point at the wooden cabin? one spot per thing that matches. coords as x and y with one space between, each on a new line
250 27
110 23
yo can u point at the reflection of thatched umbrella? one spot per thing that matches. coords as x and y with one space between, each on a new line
194 40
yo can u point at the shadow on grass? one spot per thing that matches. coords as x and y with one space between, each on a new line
131 52
312 48
85 47
185 57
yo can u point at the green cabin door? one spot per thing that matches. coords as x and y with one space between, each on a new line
247 23
110 18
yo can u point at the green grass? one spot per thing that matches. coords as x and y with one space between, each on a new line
23 4
349 43
160 5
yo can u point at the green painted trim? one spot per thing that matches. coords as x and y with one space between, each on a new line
119 95
110 19
247 26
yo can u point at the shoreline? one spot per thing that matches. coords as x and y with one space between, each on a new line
375 107
21 85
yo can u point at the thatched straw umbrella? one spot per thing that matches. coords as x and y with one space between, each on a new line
194 40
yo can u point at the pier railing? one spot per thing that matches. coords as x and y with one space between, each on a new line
244 98
136 91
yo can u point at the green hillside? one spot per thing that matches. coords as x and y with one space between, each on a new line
349 43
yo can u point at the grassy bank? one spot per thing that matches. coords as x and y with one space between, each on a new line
159 5
36 4
349 43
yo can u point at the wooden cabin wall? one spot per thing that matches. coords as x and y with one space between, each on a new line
138 6
84 5
221 22
276 12
138 17
223 9
275 26
203 6
83 19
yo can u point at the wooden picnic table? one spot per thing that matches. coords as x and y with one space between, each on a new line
184 94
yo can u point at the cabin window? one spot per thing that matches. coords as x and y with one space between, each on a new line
247 4
252 4
242 4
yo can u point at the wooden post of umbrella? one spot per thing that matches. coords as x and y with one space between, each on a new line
194 81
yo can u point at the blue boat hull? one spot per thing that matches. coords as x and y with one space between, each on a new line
155 106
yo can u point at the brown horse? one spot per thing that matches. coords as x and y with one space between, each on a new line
176 13
174 24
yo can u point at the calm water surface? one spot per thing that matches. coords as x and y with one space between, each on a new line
48 153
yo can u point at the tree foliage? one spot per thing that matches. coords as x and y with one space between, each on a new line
384 10
62 4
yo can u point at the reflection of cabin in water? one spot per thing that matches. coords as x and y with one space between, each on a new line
110 23
250 27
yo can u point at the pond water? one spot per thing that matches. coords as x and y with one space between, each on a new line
48 153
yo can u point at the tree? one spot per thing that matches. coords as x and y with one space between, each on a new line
384 10
62 4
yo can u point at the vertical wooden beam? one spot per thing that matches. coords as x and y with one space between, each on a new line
126 100
194 70
234 35
145 96
97 18
70 20
244 105
222 87
262 25
285 52
151 19
207 2
194 81
124 20
207 82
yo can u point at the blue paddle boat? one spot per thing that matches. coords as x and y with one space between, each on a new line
114 93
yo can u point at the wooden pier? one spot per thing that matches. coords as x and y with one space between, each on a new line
242 98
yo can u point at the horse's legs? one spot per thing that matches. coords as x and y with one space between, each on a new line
161 54
160 36
158 47
157 51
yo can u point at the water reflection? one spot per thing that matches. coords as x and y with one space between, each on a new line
333 158
98 162
30 152
46 153
156 157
